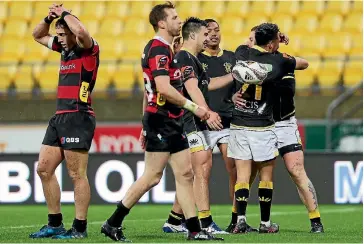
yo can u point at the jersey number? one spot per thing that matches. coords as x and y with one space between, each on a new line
84 91
148 86
258 91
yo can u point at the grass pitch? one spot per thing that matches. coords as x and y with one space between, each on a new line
343 224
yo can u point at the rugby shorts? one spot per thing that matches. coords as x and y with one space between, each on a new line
218 137
289 139
258 144
197 134
70 131
163 134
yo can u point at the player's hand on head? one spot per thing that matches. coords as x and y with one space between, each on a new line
238 99
283 38
57 9
214 122
202 113
52 16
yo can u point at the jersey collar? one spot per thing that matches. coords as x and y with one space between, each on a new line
260 49
221 52
159 38
185 49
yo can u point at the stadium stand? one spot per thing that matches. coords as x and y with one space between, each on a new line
328 33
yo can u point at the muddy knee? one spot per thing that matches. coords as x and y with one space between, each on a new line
44 172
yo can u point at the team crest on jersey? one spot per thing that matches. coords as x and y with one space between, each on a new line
227 67
205 67
162 62
187 71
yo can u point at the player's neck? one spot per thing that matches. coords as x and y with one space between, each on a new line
213 51
168 38
190 47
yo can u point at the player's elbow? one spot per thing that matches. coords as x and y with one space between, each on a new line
302 64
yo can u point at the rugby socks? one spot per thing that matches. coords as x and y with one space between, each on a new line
241 197
118 216
193 225
314 216
175 218
205 218
80 225
265 193
55 220
234 215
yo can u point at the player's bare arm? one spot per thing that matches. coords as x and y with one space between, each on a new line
41 31
82 35
219 82
301 63
172 95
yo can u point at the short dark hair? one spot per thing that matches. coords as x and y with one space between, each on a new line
208 21
191 25
265 33
157 14
254 28
61 23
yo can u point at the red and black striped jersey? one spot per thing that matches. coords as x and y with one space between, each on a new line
158 60
77 77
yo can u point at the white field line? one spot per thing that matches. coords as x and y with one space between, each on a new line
336 210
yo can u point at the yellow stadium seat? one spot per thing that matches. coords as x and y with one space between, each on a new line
48 78
24 78
92 25
313 45
16 28
187 9
6 76
358 7
3 11
261 8
338 46
134 26
133 48
331 22
353 72
357 45
232 42
292 48
35 52
329 73
117 10
304 78
1 29
110 27
238 9
287 7
284 21
306 23
231 25
254 21
41 9
338 7
139 74
104 75
353 23
125 77
214 8
20 10
11 50
75 7
110 47
54 57
94 10
312 7
140 9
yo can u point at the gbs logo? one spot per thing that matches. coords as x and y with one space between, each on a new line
65 140
348 182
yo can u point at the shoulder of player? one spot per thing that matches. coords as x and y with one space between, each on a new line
242 48
184 55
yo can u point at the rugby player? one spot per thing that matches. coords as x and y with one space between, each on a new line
252 137
289 142
162 127
197 83
71 129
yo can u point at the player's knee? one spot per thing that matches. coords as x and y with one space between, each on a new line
155 178
77 174
43 172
